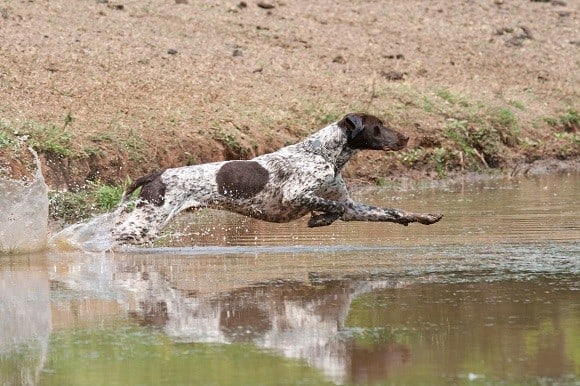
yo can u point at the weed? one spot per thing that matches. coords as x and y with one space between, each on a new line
101 137
517 104
329 117
231 142
572 137
68 119
447 96
570 120
427 105
569 145
506 117
75 206
528 143
92 150
506 124
452 98
457 131
6 139
479 143
410 157
551 121
49 139
380 181
106 197
441 158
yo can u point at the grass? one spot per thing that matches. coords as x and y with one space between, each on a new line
94 199
5 140
568 145
47 138
231 142
452 98
50 139
472 135
7 137
570 119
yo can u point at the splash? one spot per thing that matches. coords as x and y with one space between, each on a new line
24 213
94 235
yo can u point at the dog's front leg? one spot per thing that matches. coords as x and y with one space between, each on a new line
355 211
319 204
322 219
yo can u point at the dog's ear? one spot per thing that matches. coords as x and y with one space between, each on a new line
354 124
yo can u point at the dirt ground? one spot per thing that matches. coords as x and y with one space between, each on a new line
112 89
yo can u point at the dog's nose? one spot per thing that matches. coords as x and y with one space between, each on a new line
404 137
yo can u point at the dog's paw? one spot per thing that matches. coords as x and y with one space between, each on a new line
429 218
324 219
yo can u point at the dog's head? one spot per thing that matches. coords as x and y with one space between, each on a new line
366 131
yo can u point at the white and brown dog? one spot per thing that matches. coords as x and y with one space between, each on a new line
278 187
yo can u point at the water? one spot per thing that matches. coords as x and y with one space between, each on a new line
24 213
488 296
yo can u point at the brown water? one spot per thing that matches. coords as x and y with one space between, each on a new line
491 295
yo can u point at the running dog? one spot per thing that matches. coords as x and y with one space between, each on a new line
278 187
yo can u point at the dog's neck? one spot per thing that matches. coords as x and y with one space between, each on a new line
331 144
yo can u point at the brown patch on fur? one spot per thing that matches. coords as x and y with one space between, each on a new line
152 191
241 179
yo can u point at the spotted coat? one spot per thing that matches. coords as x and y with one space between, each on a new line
278 187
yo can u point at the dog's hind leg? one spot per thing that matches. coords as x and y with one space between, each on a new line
144 223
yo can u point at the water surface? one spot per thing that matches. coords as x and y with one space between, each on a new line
489 295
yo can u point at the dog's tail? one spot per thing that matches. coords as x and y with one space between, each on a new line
139 182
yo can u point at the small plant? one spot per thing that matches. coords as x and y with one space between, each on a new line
447 96
231 142
106 197
506 124
456 130
517 104
478 143
48 138
410 157
329 117
570 120
427 105
551 121
439 158
74 206
134 145
451 98
5 139
570 143
381 181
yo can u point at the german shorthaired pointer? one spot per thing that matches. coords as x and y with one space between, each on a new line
277 187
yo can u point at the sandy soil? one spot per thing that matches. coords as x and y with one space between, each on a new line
142 85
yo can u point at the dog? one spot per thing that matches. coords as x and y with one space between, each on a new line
300 179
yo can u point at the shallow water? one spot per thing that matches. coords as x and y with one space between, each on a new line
489 295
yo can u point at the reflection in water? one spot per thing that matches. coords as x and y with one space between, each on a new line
25 322
421 318
489 295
